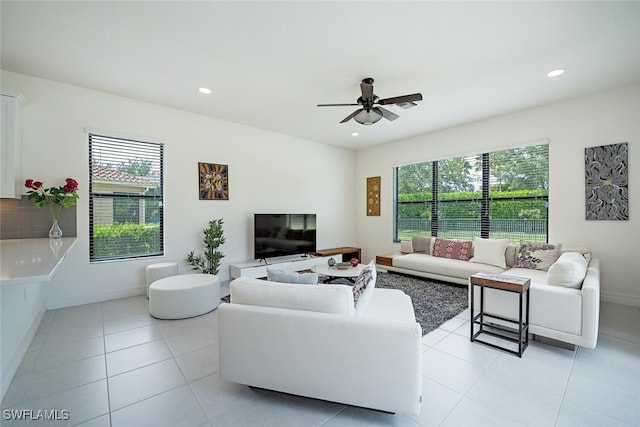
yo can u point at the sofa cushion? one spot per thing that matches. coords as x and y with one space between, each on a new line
490 251
568 271
537 256
454 249
443 266
363 287
276 275
335 299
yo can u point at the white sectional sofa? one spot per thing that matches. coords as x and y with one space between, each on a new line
309 340
564 301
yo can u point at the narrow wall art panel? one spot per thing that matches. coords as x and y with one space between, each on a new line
213 181
607 182
373 196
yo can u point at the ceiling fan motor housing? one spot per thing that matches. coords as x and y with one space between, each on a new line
368 104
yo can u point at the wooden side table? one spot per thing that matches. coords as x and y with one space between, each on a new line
519 335
387 259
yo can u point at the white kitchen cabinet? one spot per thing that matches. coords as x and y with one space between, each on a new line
11 145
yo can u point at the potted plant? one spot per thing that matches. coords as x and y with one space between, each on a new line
209 261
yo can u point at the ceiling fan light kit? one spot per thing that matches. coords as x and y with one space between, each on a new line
371 112
365 117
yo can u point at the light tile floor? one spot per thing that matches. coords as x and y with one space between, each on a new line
111 364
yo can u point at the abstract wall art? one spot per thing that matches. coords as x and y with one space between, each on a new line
373 196
607 182
213 181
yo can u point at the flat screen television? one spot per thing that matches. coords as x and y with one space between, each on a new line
276 235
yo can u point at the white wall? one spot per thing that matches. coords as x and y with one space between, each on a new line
571 126
268 172
266 168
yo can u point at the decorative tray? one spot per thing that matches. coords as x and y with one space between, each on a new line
343 265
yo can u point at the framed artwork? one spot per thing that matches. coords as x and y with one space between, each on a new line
607 182
373 196
213 181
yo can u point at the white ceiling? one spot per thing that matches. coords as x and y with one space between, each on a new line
269 63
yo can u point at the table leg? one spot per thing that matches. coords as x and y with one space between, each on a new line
520 326
471 310
481 309
527 319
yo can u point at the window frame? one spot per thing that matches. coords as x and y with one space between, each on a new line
158 196
485 199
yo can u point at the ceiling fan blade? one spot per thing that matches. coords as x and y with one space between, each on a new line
404 98
367 90
338 105
386 113
350 116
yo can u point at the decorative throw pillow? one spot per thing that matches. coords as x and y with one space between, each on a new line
511 255
363 287
454 249
490 251
421 244
537 256
275 275
587 256
568 271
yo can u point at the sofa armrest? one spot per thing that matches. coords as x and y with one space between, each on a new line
591 304
362 362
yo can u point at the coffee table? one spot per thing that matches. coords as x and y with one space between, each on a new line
333 273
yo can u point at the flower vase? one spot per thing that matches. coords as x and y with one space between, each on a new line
55 232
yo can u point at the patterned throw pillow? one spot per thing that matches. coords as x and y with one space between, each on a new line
537 256
363 287
454 249
360 285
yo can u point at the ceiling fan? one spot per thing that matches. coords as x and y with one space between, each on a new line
371 112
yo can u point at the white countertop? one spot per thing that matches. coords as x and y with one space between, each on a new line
31 260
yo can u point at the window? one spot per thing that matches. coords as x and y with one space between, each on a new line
498 194
126 217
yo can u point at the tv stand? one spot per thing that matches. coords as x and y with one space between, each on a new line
257 269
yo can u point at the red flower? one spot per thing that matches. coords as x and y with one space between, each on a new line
72 185
61 197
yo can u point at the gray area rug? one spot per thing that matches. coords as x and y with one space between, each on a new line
434 302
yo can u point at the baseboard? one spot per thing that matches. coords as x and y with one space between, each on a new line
54 303
17 356
620 298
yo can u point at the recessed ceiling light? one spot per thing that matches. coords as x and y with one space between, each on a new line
204 90
355 134
556 73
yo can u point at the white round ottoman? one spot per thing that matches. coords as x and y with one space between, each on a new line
186 295
160 270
